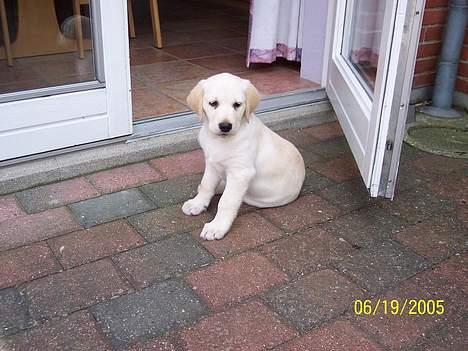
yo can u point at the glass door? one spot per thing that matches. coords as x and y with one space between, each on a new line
64 74
369 81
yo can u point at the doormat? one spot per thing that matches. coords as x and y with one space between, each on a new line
445 137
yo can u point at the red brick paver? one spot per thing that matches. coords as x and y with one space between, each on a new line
76 332
26 263
180 164
74 289
159 344
248 328
24 230
339 335
248 231
338 169
435 239
235 279
56 194
305 211
325 131
9 208
91 244
439 165
125 177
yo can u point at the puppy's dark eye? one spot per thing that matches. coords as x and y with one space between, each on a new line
236 105
214 104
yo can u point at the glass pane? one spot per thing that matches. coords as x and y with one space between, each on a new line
362 39
45 43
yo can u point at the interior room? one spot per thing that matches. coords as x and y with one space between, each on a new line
198 38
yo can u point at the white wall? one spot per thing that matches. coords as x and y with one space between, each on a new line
314 36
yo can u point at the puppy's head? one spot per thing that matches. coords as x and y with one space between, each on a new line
223 102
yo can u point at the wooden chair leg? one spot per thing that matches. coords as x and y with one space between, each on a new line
6 34
131 19
78 27
156 23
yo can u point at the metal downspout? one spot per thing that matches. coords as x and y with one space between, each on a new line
449 59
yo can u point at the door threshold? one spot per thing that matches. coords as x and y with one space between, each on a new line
180 135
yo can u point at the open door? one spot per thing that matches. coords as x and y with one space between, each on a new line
369 82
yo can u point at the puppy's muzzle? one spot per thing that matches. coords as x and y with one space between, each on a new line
225 127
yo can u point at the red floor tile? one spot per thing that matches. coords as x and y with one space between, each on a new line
91 244
180 164
125 177
9 208
36 227
325 131
339 335
235 279
304 212
340 169
26 263
248 231
249 327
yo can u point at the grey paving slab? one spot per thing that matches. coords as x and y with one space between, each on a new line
109 207
314 181
172 191
163 259
149 313
366 227
348 196
330 148
381 266
314 299
14 314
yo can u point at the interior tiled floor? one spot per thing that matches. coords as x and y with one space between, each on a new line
200 38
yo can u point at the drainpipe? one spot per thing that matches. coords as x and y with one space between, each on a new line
444 86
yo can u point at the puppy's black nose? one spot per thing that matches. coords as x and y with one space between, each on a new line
225 127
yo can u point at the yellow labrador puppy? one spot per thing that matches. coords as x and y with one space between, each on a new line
244 159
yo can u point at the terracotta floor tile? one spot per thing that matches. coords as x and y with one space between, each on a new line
146 56
191 51
149 103
157 73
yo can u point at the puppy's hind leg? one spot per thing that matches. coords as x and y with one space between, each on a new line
206 190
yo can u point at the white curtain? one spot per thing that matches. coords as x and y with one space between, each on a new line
275 30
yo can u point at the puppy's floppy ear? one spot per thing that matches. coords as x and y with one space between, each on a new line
252 98
195 99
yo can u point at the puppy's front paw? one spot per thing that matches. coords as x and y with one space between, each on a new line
213 230
193 207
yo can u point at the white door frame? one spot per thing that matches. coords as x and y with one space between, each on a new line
65 119
368 123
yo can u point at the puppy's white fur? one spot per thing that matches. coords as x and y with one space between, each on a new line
250 163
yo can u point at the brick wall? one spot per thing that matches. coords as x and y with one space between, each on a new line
430 44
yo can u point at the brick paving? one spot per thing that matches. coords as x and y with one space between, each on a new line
109 262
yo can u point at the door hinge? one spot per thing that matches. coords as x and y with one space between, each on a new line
389 145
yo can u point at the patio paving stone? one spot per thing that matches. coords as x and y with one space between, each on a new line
9 208
348 196
382 266
163 259
325 131
55 195
339 169
249 327
148 313
92 244
14 312
235 279
111 206
172 191
314 299
180 164
77 332
74 289
26 263
21 231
